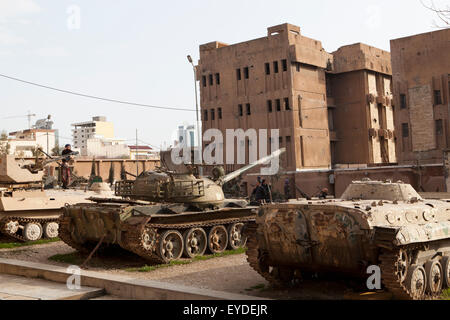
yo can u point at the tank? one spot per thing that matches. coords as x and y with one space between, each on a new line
377 223
27 213
164 214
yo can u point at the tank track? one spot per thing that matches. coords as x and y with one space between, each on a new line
390 278
66 237
21 220
133 241
254 258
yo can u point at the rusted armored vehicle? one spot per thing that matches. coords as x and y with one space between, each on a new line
27 213
163 214
374 223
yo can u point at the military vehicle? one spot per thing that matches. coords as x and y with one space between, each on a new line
27 213
163 214
374 223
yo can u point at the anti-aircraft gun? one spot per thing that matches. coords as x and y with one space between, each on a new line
26 212
164 214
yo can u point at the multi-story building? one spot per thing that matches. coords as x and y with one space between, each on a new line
24 143
421 77
97 128
329 108
96 139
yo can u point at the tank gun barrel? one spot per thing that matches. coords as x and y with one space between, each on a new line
240 171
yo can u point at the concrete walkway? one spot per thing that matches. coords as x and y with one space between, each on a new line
22 288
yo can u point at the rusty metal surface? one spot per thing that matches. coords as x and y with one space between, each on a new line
347 235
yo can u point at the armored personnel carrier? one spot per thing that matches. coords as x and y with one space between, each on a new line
27 213
163 214
374 223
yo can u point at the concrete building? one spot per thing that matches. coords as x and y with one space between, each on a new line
97 128
186 134
142 153
23 143
330 108
96 139
421 77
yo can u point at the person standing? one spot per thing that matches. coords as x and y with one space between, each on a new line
65 169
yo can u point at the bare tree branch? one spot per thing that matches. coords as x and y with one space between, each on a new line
443 14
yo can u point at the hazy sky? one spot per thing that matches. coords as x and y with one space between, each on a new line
135 50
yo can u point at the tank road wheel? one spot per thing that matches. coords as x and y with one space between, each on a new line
51 230
217 239
170 245
402 265
433 270
416 282
446 271
236 239
32 231
195 242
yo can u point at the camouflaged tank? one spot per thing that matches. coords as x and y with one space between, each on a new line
373 223
163 214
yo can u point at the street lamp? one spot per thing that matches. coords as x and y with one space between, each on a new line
48 128
198 154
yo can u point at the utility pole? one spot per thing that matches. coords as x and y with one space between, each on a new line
198 154
48 128
136 154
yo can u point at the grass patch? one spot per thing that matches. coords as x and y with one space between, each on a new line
70 258
260 286
12 245
446 294
182 262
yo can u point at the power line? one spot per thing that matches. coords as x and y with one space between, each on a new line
93 97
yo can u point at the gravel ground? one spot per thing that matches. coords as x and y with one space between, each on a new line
230 273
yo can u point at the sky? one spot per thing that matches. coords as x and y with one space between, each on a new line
135 50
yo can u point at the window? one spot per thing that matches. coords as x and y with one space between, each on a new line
267 66
241 113
248 109
402 101
405 130
280 140
286 104
269 105
219 113
205 115
217 78
211 80
238 74
278 103
437 97
439 128
284 64
246 72
213 114
275 66
204 81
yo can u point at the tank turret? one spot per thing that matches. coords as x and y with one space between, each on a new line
185 187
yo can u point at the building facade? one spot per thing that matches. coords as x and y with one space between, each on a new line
421 77
287 81
96 139
24 143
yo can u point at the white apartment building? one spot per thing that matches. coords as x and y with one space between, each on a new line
23 143
95 138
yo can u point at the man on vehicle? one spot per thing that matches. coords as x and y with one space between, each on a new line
65 169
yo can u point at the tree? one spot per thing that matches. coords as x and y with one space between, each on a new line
56 151
443 14
4 144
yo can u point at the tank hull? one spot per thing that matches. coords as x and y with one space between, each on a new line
143 229
347 237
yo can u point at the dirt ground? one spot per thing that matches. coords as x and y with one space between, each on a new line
230 273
